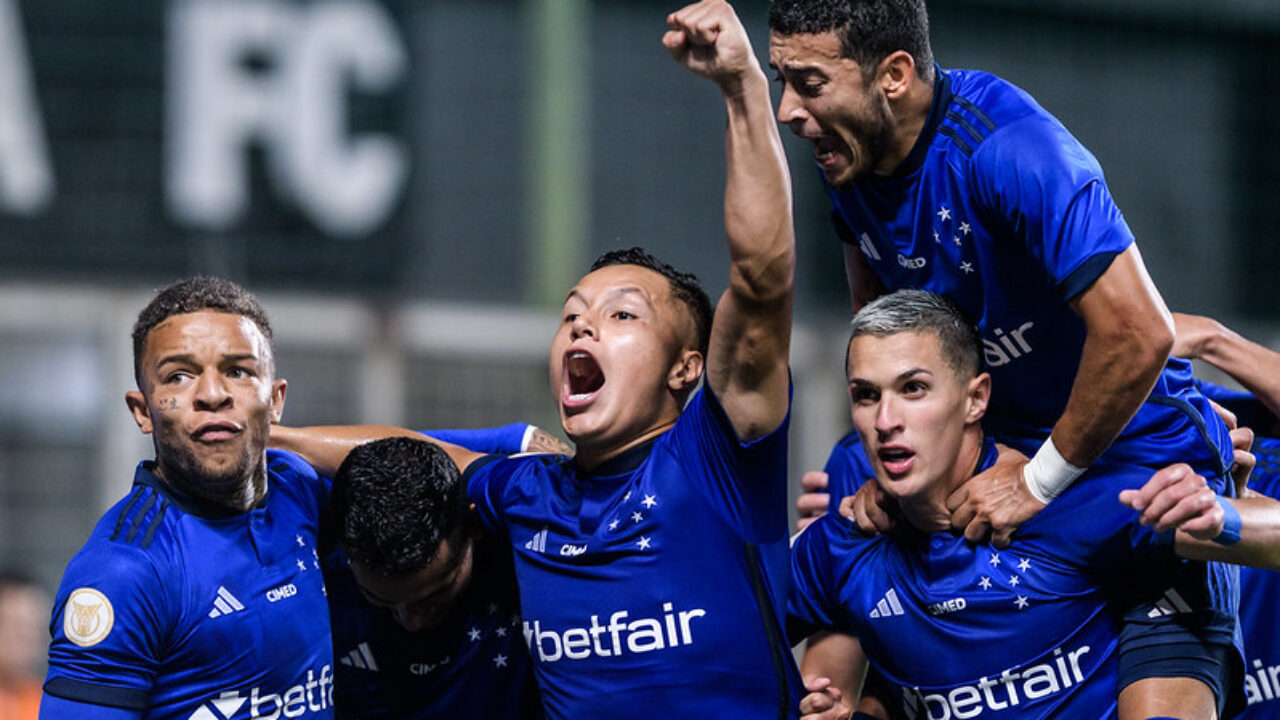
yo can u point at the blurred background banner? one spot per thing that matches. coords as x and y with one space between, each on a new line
412 185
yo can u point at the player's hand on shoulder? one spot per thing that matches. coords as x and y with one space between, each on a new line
824 701
812 503
1243 460
871 509
708 38
1192 333
1176 497
995 502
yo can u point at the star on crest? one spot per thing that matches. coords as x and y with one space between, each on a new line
500 660
1023 564
944 212
474 634
985 583
643 542
967 267
1021 602
649 501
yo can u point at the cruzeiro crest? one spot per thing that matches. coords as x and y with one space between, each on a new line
88 617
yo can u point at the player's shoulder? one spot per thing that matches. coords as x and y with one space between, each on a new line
837 536
289 467
995 120
139 525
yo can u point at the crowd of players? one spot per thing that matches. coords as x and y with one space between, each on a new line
1044 516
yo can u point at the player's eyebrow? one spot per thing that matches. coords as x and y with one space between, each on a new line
904 375
612 292
189 359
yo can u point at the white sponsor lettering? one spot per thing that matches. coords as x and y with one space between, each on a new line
282 592
291 102
911 263
314 695
949 606
1006 690
426 668
1262 682
617 637
572 550
1006 347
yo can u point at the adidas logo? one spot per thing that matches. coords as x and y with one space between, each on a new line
226 704
1171 604
225 603
360 658
888 606
864 241
538 543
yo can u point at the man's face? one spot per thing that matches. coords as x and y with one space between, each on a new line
208 397
912 410
420 600
825 101
619 341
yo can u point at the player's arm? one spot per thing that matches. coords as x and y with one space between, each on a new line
751 332
325 447
1244 531
833 667
1129 335
1257 368
56 708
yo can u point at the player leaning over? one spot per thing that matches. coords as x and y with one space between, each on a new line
960 630
652 567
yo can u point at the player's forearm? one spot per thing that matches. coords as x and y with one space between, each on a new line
837 657
864 285
325 447
1259 543
1116 374
1255 367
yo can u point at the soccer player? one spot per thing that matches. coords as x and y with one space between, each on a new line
652 568
418 634
199 595
959 183
956 628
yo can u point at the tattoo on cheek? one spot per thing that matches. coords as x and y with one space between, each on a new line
170 404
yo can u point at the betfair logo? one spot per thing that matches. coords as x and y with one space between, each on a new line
1007 346
311 696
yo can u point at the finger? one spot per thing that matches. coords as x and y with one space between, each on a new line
977 531
1242 438
812 504
814 703
1207 524
674 41
1158 483
958 498
1227 416
1162 503
1190 506
882 521
816 683
846 507
862 515
963 515
1001 538
814 481
804 522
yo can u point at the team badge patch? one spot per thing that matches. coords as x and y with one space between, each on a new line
88 617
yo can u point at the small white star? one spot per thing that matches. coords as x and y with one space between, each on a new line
316 563
500 631
964 228
649 501
1023 564
1013 581
301 542
302 566
493 608
944 213
966 267
1021 602
937 238
955 239
613 525
515 620
995 559
643 542
637 516
500 660
627 496
474 634
985 582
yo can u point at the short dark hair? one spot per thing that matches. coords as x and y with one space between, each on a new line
869 30
193 295
685 287
394 502
922 311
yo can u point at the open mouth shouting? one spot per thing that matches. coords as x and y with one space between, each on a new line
896 459
827 150
582 379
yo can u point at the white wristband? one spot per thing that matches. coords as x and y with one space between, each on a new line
1048 473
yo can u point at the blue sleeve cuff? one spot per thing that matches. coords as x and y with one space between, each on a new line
503 440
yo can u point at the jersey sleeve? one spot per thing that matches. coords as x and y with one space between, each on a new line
486 481
746 481
811 603
503 440
847 469
314 487
110 626
1040 182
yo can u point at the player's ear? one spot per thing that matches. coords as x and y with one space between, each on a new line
979 394
896 73
686 370
278 388
137 404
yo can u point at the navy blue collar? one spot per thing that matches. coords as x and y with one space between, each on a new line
937 110
624 462
187 503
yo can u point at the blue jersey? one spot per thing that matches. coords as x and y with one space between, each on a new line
847 468
1000 210
959 630
473 664
654 585
1259 602
190 612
